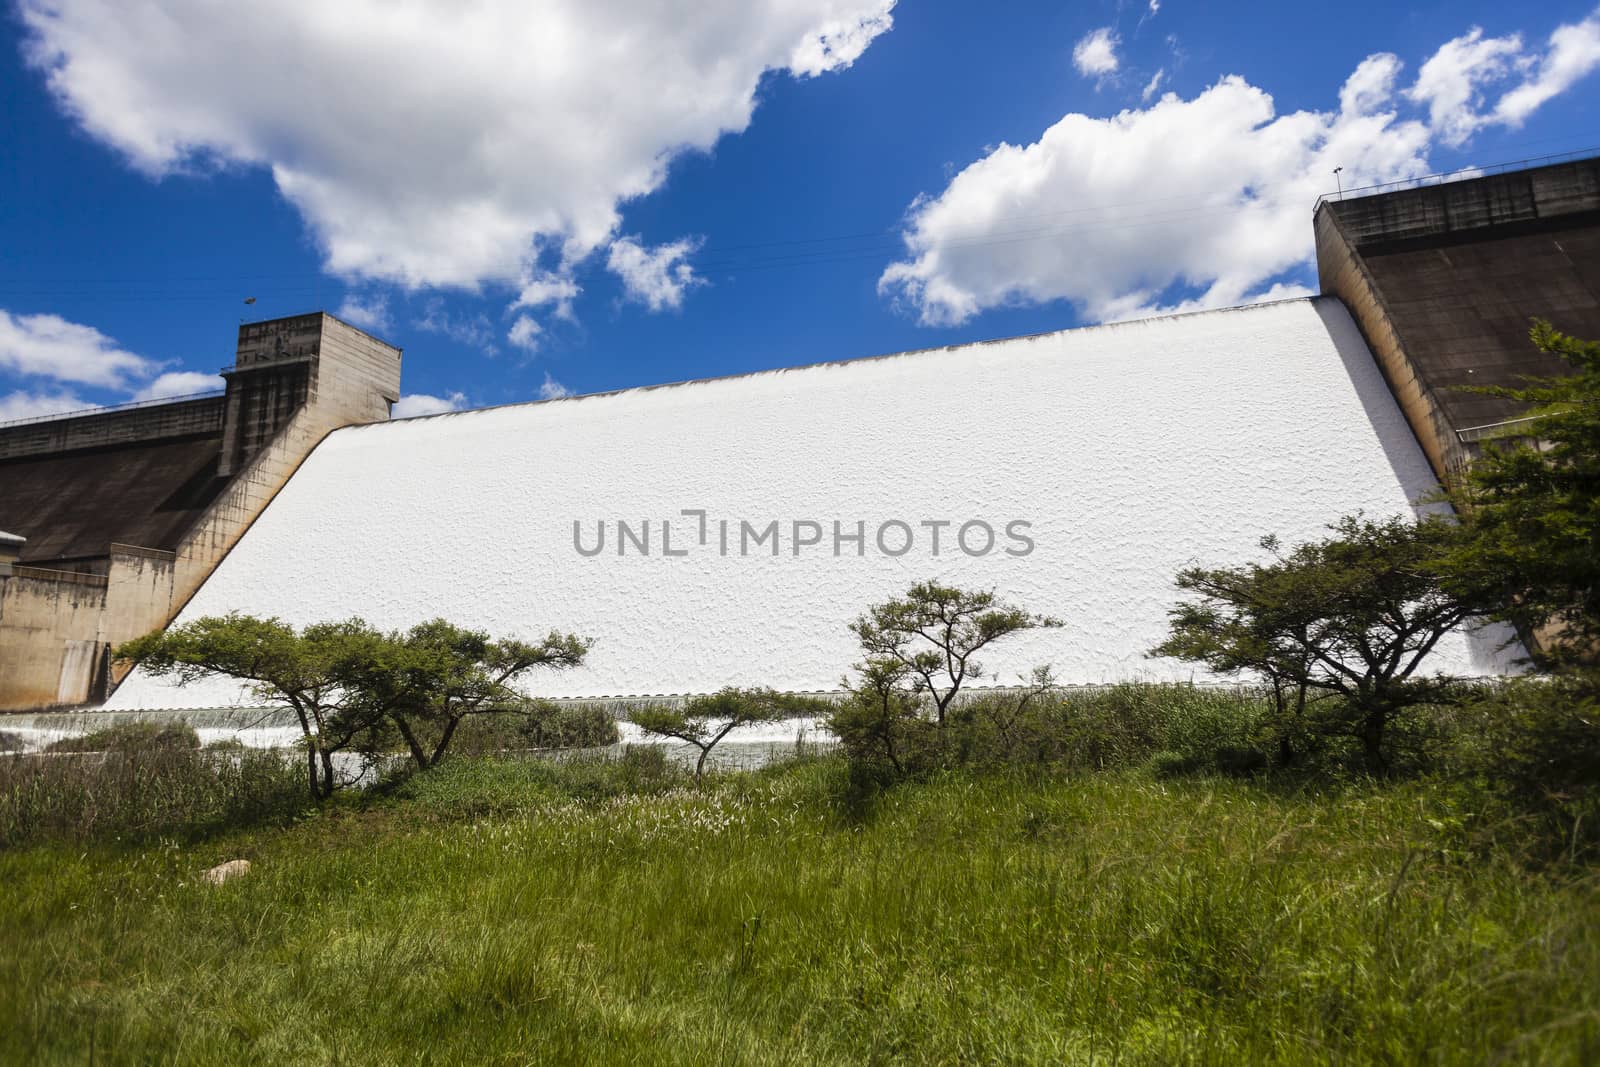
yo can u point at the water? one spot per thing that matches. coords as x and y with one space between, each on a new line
254 727
745 748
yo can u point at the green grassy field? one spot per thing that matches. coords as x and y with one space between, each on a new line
510 913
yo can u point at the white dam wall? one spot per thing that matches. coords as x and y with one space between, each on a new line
1121 452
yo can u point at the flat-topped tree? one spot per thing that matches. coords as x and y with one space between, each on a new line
704 721
1354 615
304 671
935 631
425 681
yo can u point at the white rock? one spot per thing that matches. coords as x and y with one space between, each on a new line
224 871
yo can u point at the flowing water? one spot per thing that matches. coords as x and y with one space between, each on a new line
744 748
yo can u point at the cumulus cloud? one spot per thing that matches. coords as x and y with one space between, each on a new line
27 405
1450 83
428 143
524 333
1131 215
552 389
1095 55
1209 192
414 404
1574 53
538 289
655 277
1372 84
180 383
48 346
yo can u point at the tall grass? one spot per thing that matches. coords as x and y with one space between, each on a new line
142 784
508 912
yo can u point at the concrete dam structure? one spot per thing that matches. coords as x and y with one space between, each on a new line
113 518
726 531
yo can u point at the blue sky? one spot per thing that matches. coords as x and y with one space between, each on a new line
596 195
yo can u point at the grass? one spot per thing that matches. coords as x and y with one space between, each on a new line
505 912
142 783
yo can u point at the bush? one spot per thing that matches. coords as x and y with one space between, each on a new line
473 788
540 724
1540 753
1182 728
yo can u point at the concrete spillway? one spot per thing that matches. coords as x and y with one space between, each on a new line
1101 460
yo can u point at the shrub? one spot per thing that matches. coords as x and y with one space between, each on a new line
1182 728
1540 752
538 724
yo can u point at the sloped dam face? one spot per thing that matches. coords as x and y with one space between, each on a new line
725 532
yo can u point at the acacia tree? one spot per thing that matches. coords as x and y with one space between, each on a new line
704 721
425 682
304 671
934 632
872 724
1235 628
1353 615
1532 508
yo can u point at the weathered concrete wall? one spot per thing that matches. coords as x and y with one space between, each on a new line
72 506
57 626
153 422
1444 281
139 595
1457 208
1344 274
52 648
1132 450
357 378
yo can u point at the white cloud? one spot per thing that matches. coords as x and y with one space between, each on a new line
429 143
414 404
1450 83
26 405
841 39
1574 53
1095 55
1153 86
656 277
180 383
367 312
546 288
524 333
552 389
1209 194
1371 86
48 346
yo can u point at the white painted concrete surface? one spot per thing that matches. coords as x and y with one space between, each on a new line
1131 450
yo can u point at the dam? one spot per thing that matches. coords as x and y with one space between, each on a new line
727 531
747 520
